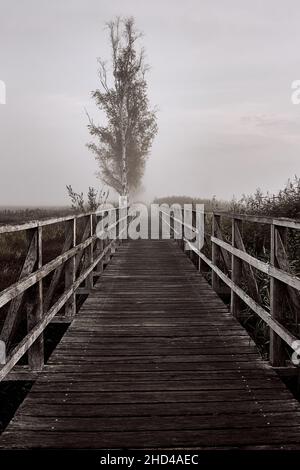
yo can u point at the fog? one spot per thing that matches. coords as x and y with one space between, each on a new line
221 74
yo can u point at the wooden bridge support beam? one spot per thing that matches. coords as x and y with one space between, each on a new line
99 247
277 291
34 308
70 269
90 255
215 254
236 272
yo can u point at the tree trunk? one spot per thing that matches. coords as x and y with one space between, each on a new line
124 168
124 156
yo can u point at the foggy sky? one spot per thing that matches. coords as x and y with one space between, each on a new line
221 73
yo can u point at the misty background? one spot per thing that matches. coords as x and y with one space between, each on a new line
221 74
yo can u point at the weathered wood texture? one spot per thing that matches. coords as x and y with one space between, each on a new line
154 359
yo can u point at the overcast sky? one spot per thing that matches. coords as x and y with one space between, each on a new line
221 73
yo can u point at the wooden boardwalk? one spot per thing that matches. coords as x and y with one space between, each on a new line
154 360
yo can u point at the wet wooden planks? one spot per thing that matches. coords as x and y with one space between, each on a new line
154 359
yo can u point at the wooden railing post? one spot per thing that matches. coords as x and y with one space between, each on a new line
236 270
183 245
118 228
99 247
106 240
172 225
90 255
194 257
113 245
70 270
35 307
277 352
200 261
215 253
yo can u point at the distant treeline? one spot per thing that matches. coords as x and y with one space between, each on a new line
8 216
209 204
284 203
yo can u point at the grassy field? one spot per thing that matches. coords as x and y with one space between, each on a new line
13 215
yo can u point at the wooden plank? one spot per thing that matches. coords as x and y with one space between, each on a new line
283 221
34 224
165 396
70 268
236 272
197 439
156 409
215 256
35 313
138 423
89 256
287 223
277 350
245 217
156 386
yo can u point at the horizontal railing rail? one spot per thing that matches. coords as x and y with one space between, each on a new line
9 228
238 264
260 219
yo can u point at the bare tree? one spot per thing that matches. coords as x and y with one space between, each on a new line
124 143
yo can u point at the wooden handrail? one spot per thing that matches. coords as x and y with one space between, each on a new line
38 329
266 268
288 337
260 219
39 311
9 228
19 287
276 270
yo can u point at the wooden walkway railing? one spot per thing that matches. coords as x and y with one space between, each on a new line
153 359
83 254
238 265
81 259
